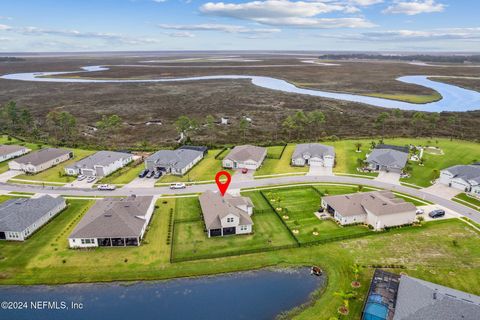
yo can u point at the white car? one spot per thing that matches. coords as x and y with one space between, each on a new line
106 187
178 186
420 211
91 179
81 177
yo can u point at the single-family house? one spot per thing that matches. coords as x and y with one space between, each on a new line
313 154
401 297
8 152
20 217
246 156
115 222
388 158
203 149
40 160
462 177
379 209
100 164
176 162
226 215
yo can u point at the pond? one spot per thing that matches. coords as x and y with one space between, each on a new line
249 295
453 98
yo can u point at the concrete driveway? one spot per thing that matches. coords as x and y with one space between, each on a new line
449 214
81 184
442 190
388 177
141 183
4 177
320 171
238 176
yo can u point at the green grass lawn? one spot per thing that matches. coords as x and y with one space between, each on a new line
202 171
468 201
57 173
124 175
274 152
411 98
278 166
187 209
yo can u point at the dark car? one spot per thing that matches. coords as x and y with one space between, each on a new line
157 175
150 174
436 213
143 173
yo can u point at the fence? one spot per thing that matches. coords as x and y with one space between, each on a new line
279 156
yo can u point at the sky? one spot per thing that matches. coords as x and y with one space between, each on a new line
321 25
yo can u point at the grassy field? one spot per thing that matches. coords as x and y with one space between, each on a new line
278 166
124 175
202 171
468 201
57 173
274 152
411 98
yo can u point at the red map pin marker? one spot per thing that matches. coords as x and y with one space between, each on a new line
223 186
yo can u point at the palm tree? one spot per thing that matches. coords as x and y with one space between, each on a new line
358 145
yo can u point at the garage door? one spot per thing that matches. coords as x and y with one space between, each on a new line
315 162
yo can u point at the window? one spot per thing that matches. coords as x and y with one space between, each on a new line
229 219
243 228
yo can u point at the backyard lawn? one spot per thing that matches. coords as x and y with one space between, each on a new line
205 170
278 166
57 173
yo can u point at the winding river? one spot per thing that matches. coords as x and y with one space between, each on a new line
259 295
453 98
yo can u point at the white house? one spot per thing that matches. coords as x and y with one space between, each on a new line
247 156
116 222
313 154
100 164
462 177
379 209
8 152
226 215
20 217
40 160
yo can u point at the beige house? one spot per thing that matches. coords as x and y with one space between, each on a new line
8 152
245 157
40 160
226 215
378 209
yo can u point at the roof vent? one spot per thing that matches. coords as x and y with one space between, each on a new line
107 214
434 296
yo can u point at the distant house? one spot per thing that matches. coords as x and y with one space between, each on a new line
462 177
247 156
20 217
313 154
176 162
8 152
40 160
100 164
401 297
226 215
379 209
388 158
113 223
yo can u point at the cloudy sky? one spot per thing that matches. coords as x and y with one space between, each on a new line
107 25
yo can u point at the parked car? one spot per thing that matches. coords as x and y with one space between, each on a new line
143 173
150 174
178 186
81 177
91 179
106 187
244 170
436 213
157 175
420 211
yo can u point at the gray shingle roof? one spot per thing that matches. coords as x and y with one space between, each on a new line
422 300
177 159
392 147
377 202
41 156
312 150
114 218
101 158
215 207
466 172
388 158
8 149
247 152
18 214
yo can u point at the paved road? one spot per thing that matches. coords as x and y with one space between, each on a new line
457 207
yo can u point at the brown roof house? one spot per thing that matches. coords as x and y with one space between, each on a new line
247 156
226 215
40 160
379 209
8 152
115 222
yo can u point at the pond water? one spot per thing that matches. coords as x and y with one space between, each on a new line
453 98
250 295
